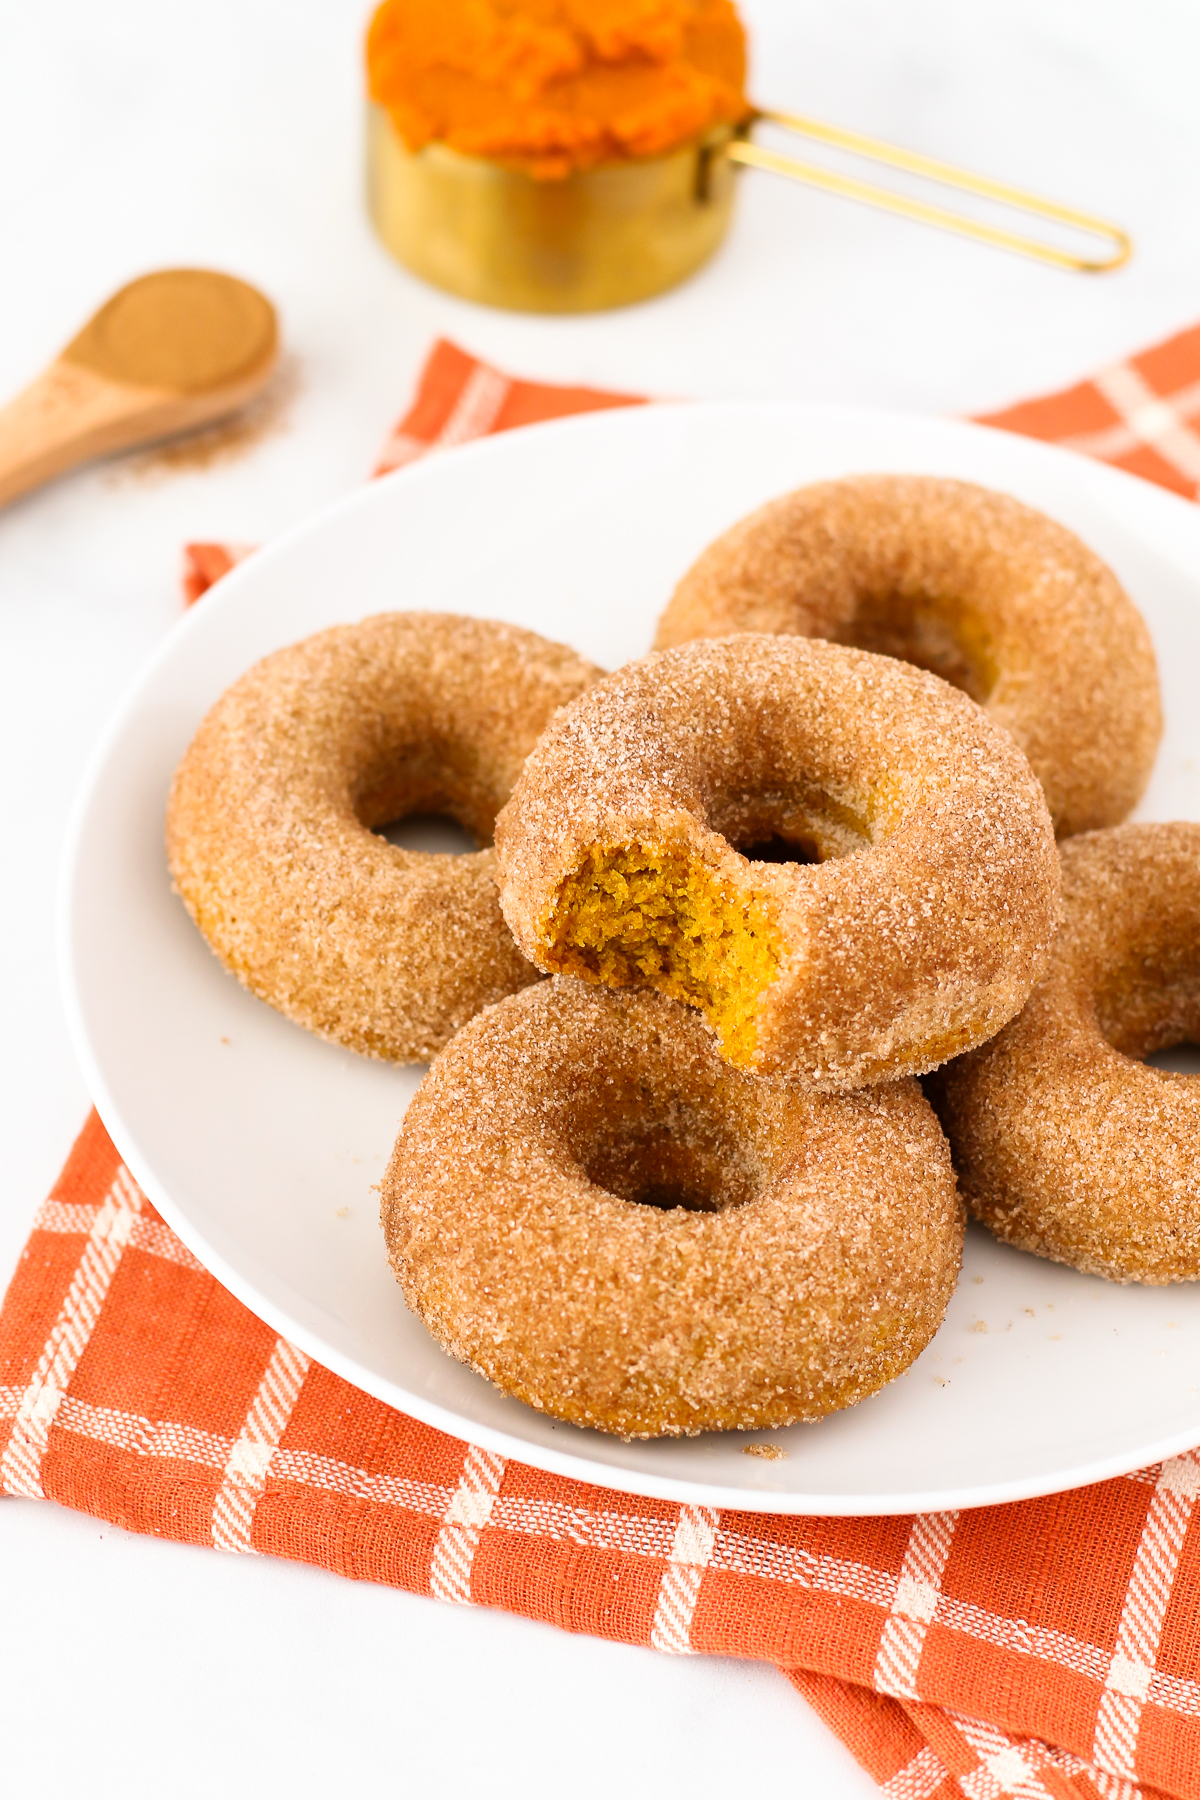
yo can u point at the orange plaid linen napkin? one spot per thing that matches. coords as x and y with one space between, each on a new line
1047 1649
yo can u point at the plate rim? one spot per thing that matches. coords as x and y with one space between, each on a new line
569 1464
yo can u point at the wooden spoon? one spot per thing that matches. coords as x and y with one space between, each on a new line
169 352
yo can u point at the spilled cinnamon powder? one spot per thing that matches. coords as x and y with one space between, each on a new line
227 440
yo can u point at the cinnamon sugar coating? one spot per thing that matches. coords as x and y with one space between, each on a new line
594 1211
1066 1143
998 599
269 822
917 933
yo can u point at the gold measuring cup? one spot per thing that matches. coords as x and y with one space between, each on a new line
622 232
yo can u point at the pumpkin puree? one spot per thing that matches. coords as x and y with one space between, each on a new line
552 86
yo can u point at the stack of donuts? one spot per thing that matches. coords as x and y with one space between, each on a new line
855 820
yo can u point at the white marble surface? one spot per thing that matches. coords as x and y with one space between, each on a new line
134 135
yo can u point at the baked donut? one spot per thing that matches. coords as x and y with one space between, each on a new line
1066 1143
927 892
270 822
996 598
593 1210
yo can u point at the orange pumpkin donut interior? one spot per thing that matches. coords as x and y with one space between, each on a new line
639 916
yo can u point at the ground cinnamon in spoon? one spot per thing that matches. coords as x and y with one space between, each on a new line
186 331
553 86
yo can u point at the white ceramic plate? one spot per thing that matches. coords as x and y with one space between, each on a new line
261 1144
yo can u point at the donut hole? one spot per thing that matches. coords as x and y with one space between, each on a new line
1176 1059
1148 1008
935 633
419 803
636 915
683 1164
809 826
777 849
429 834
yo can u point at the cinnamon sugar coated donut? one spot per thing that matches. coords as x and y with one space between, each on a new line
1066 1143
916 932
998 599
593 1210
269 823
